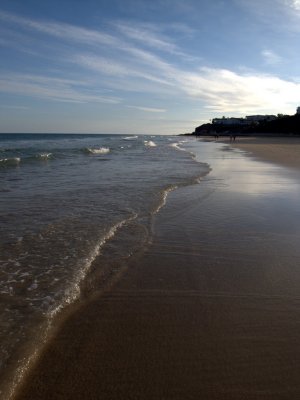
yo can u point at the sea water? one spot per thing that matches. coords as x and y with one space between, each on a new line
63 200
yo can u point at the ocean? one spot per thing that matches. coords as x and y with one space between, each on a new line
73 209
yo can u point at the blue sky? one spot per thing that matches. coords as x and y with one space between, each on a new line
136 66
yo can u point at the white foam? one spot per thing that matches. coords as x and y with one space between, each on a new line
73 292
130 137
10 161
101 150
177 146
164 198
44 156
149 143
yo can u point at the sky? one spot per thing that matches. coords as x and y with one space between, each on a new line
145 67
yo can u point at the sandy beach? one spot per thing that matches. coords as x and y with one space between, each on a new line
211 309
284 151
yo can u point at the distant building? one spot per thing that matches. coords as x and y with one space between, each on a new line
249 120
230 121
298 110
258 118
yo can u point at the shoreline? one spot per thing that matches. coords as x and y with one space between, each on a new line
173 328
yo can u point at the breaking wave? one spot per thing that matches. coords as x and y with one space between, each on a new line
43 156
13 161
130 137
149 143
100 150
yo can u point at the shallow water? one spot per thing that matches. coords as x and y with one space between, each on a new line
63 198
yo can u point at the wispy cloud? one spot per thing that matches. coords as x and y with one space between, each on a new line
124 64
294 4
55 89
227 91
277 15
119 69
147 36
129 40
148 109
270 57
62 30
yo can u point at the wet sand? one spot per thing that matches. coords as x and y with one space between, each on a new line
210 311
284 151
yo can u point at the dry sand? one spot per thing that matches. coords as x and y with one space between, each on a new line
211 311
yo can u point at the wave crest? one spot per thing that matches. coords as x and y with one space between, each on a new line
130 137
149 143
100 150
44 156
13 161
